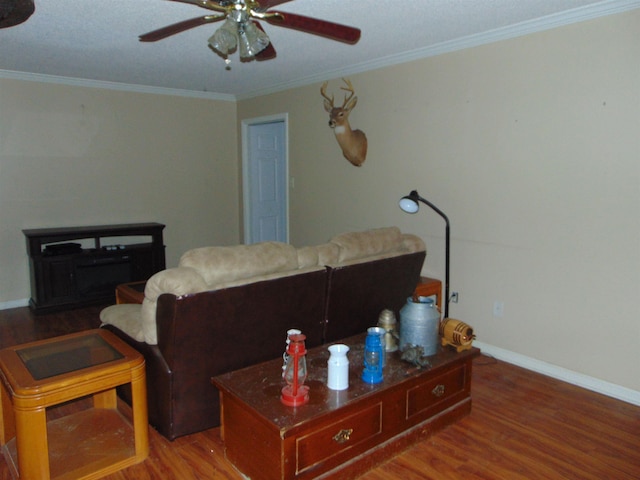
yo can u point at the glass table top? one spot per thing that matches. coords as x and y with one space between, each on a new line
64 356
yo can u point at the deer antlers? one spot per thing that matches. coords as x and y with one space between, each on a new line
349 88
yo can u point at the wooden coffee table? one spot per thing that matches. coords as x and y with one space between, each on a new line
338 432
88 444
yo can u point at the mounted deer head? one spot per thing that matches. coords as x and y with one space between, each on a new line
352 142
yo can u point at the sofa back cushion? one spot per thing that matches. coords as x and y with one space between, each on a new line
356 245
219 265
376 269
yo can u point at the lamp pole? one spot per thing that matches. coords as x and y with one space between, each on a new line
410 204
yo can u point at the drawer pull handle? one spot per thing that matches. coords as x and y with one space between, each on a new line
438 391
343 435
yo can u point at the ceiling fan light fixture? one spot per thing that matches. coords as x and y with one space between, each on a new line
225 39
252 40
241 32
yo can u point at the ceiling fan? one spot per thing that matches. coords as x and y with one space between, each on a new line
241 30
14 12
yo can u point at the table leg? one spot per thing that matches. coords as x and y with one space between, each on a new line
106 399
7 422
140 414
31 443
221 415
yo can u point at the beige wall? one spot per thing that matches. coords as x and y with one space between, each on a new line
531 147
85 156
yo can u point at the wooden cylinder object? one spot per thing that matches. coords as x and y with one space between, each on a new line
456 333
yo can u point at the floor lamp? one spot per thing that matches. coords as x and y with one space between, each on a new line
410 204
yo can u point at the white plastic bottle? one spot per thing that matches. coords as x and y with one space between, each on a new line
338 367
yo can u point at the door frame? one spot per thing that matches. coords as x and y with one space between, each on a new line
246 191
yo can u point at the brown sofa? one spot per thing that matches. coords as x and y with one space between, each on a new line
225 308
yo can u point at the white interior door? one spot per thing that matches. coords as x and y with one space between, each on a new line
265 180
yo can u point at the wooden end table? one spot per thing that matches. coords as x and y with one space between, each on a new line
130 292
430 287
338 434
88 444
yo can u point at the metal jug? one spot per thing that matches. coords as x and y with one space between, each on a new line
419 323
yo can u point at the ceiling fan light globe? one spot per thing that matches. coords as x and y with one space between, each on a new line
224 40
252 40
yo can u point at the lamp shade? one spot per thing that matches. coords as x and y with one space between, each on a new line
409 205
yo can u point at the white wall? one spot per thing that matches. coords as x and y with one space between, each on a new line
83 156
531 147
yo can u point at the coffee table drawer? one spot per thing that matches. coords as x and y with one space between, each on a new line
354 433
427 397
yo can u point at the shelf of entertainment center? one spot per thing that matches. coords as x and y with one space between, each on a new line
73 266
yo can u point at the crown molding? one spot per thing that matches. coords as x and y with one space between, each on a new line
576 15
126 87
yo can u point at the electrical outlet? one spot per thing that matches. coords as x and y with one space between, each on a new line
454 297
498 309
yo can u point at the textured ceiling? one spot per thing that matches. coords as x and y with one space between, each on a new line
98 40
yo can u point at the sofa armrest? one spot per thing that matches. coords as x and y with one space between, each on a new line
165 320
176 281
413 243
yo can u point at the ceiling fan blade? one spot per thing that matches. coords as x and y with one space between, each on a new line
323 28
179 27
269 52
15 12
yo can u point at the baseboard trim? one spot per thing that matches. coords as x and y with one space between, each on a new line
14 304
590 383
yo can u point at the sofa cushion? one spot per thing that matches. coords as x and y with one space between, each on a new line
328 253
355 245
307 257
269 276
125 317
227 264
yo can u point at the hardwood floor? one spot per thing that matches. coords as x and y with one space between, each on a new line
522 426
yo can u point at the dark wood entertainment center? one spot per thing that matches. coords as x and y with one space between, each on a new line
74 266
